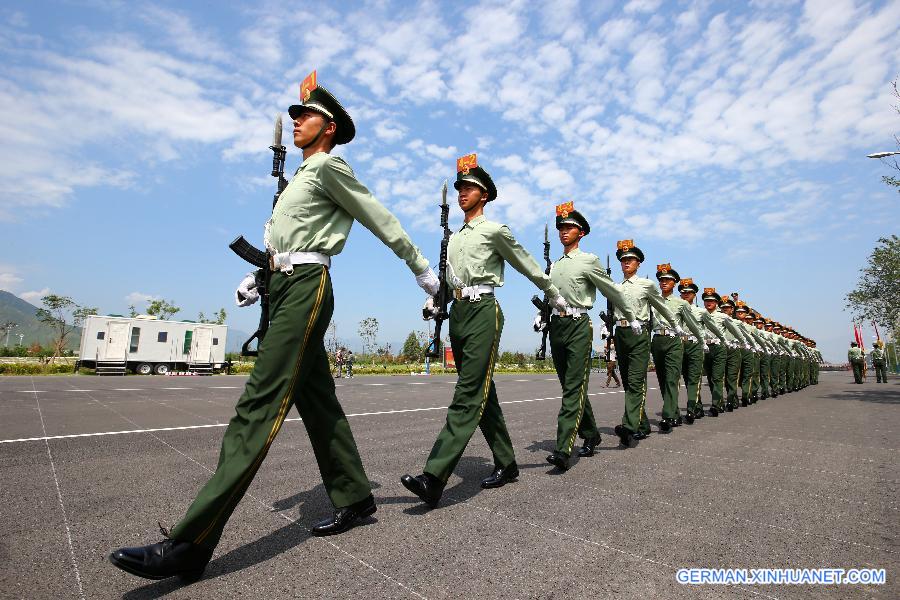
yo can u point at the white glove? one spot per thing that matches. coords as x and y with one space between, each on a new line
429 311
539 324
747 347
428 281
705 347
246 292
679 331
604 332
560 303
636 326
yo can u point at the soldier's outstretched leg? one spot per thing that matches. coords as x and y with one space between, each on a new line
633 351
714 367
692 372
746 376
667 355
732 375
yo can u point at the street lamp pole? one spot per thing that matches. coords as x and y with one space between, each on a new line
882 154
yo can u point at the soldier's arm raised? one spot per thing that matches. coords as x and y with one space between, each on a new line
688 317
713 326
520 260
597 275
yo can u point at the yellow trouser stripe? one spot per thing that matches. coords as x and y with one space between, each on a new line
490 372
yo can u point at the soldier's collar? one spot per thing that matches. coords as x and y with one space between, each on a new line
575 252
474 222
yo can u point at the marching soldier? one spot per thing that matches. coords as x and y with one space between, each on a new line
734 346
579 276
475 259
747 354
765 357
633 341
309 226
714 360
774 358
878 363
695 349
667 346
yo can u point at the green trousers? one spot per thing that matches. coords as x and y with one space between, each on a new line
714 367
732 374
292 370
692 372
774 371
633 351
570 344
764 365
857 371
668 353
755 382
746 374
785 367
880 371
475 329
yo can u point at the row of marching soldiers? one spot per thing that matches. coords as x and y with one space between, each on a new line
309 229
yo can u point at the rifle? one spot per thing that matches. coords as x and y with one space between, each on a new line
258 258
442 298
544 305
607 317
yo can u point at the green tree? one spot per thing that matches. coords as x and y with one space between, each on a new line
412 348
876 297
893 163
54 313
368 331
131 311
162 309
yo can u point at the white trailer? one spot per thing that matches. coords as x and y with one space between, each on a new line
112 344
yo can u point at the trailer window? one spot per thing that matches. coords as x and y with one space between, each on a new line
135 338
101 335
162 336
188 335
215 341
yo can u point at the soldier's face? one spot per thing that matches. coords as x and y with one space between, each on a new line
569 234
710 305
688 297
470 195
727 309
666 285
307 126
629 266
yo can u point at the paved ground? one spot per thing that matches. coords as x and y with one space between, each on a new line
808 480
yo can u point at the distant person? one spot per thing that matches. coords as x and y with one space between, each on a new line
348 361
611 362
878 362
857 359
339 362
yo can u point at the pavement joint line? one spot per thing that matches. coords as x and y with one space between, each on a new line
600 544
757 462
727 515
59 497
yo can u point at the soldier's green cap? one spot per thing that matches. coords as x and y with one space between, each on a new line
727 301
741 307
687 285
710 294
627 249
316 98
565 215
467 169
665 271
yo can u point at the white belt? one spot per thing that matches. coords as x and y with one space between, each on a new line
713 341
285 261
572 312
473 292
666 332
690 338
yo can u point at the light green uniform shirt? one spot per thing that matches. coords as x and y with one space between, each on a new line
579 275
728 325
707 323
318 207
642 292
877 353
684 316
477 253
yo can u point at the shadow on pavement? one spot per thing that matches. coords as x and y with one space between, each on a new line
879 393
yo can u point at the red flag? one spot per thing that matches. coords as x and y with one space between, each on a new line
877 335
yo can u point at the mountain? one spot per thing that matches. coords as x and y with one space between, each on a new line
235 340
14 309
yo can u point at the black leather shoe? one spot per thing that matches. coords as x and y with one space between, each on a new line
678 421
168 558
700 413
689 418
501 476
729 408
713 411
559 460
345 518
426 486
639 435
588 448
624 435
665 426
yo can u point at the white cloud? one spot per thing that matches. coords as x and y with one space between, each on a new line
135 298
34 297
9 280
512 163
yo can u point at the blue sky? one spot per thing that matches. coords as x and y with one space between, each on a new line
728 139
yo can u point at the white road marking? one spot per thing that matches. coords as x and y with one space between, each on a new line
30 392
375 384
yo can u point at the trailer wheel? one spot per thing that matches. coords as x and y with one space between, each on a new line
144 369
161 369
